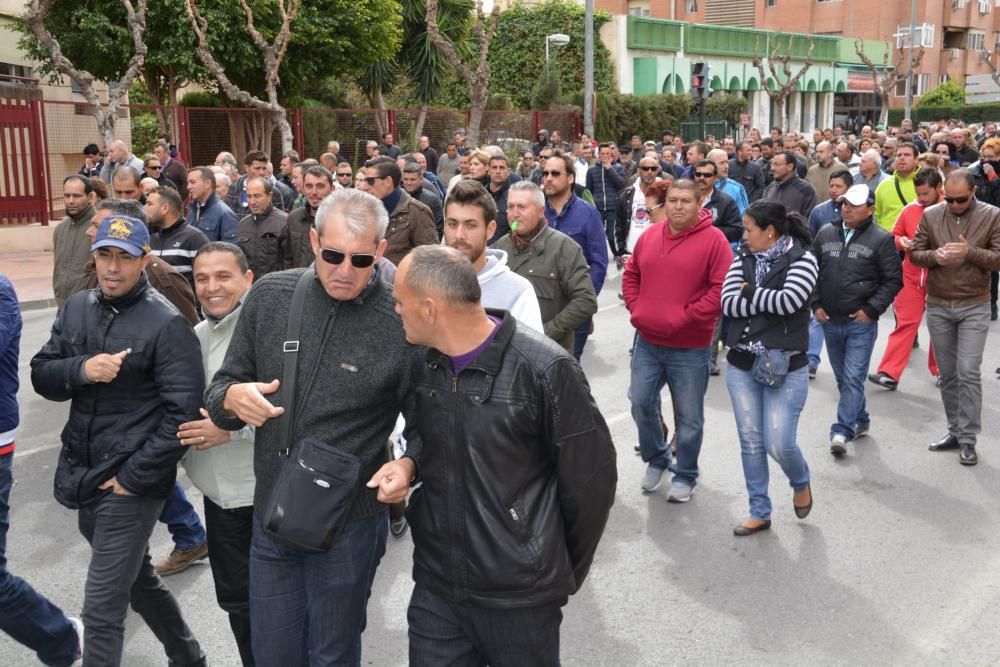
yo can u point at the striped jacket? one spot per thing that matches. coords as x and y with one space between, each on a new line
177 246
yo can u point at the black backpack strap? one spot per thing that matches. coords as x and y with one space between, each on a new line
899 191
290 356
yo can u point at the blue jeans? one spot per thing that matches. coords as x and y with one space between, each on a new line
309 609
182 521
686 373
815 342
580 337
767 420
849 346
25 614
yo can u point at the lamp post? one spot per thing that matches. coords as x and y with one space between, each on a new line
558 39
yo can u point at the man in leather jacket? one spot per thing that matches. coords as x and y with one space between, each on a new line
130 363
518 474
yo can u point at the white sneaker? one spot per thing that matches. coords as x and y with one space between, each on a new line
680 492
838 445
651 480
78 626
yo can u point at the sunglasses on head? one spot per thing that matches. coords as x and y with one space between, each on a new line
552 173
957 200
358 260
703 174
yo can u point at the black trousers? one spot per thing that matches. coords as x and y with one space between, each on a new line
229 535
443 634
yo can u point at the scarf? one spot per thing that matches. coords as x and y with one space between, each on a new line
522 243
767 258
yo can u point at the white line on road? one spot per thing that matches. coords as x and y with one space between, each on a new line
21 453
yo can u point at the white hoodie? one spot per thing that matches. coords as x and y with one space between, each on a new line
505 290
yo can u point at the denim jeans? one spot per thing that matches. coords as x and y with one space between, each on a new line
767 420
121 573
25 614
815 342
608 218
182 520
959 338
580 337
849 346
230 532
310 609
444 633
685 371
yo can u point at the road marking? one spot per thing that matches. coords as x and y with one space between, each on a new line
21 453
611 307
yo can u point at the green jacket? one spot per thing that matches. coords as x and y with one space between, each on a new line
70 254
555 267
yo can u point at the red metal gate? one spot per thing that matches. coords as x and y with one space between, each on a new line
23 181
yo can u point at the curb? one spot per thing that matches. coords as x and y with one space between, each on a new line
37 304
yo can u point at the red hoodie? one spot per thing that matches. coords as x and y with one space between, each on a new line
673 283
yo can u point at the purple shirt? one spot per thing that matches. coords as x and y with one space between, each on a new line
462 361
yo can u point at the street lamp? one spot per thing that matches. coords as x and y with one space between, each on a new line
558 39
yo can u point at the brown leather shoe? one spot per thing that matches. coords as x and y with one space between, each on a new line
743 530
180 560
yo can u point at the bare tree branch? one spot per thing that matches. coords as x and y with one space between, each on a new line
885 78
477 81
274 54
782 88
987 58
34 18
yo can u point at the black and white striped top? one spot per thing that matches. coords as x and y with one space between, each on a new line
792 296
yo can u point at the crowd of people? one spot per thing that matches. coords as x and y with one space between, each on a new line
441 304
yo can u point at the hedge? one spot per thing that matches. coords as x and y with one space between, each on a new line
969 113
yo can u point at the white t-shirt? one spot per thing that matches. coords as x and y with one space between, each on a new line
640 219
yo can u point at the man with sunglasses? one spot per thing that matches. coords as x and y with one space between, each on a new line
411 222
345 175
633 217
355 379
794 192
958 242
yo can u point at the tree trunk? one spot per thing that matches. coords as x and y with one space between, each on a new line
779 105
418 131
381 120
105 125
287 137
477 104
883 114
154 87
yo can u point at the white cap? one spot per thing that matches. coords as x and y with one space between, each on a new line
858 195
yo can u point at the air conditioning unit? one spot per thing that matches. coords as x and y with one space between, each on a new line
954 54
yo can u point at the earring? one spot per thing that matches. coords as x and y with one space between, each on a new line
770 236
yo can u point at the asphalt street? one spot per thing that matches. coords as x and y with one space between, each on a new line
897 564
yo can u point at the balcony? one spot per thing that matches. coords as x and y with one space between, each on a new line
654 34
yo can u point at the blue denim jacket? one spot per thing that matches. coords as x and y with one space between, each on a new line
581 222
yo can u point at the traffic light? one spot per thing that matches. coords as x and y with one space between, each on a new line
700 73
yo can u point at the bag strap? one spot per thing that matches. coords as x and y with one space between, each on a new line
899 190
290 357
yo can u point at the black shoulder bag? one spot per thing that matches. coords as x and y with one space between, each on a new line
770 367
312 498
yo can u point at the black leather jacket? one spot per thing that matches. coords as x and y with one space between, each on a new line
518 474
128 427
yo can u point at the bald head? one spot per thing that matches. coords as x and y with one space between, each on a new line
117 151
824 154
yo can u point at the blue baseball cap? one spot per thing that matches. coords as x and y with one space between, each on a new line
122 232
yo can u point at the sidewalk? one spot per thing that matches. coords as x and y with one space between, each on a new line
31 274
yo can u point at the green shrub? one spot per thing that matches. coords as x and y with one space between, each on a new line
969 113
200 98
620 116
947 94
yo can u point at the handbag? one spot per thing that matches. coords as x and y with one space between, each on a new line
311 501
770 368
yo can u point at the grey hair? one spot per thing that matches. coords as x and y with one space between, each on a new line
132 209
872 156
359 211
223 179
266 182
537 196
444 272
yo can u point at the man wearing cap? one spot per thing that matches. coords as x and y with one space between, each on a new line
131 366
859 276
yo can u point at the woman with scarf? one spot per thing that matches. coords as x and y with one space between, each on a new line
767 293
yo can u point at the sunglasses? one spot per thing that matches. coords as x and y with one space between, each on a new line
704 174
957 200
344 175
648 168
152 168
650 210
554 174
370 180
336 257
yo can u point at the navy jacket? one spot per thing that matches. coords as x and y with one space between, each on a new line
216 220
126 428
605 184
10 337
583 224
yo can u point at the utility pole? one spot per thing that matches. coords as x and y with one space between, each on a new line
909 59
588 69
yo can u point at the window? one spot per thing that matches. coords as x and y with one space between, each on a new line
772 3
943 79
996 41
638 8
692 6
924 33
985 6
976 40
920 84
958 4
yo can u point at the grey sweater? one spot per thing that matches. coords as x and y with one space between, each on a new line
354 376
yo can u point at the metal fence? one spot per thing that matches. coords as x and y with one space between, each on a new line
63 128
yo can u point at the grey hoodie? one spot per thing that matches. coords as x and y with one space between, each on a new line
505 290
